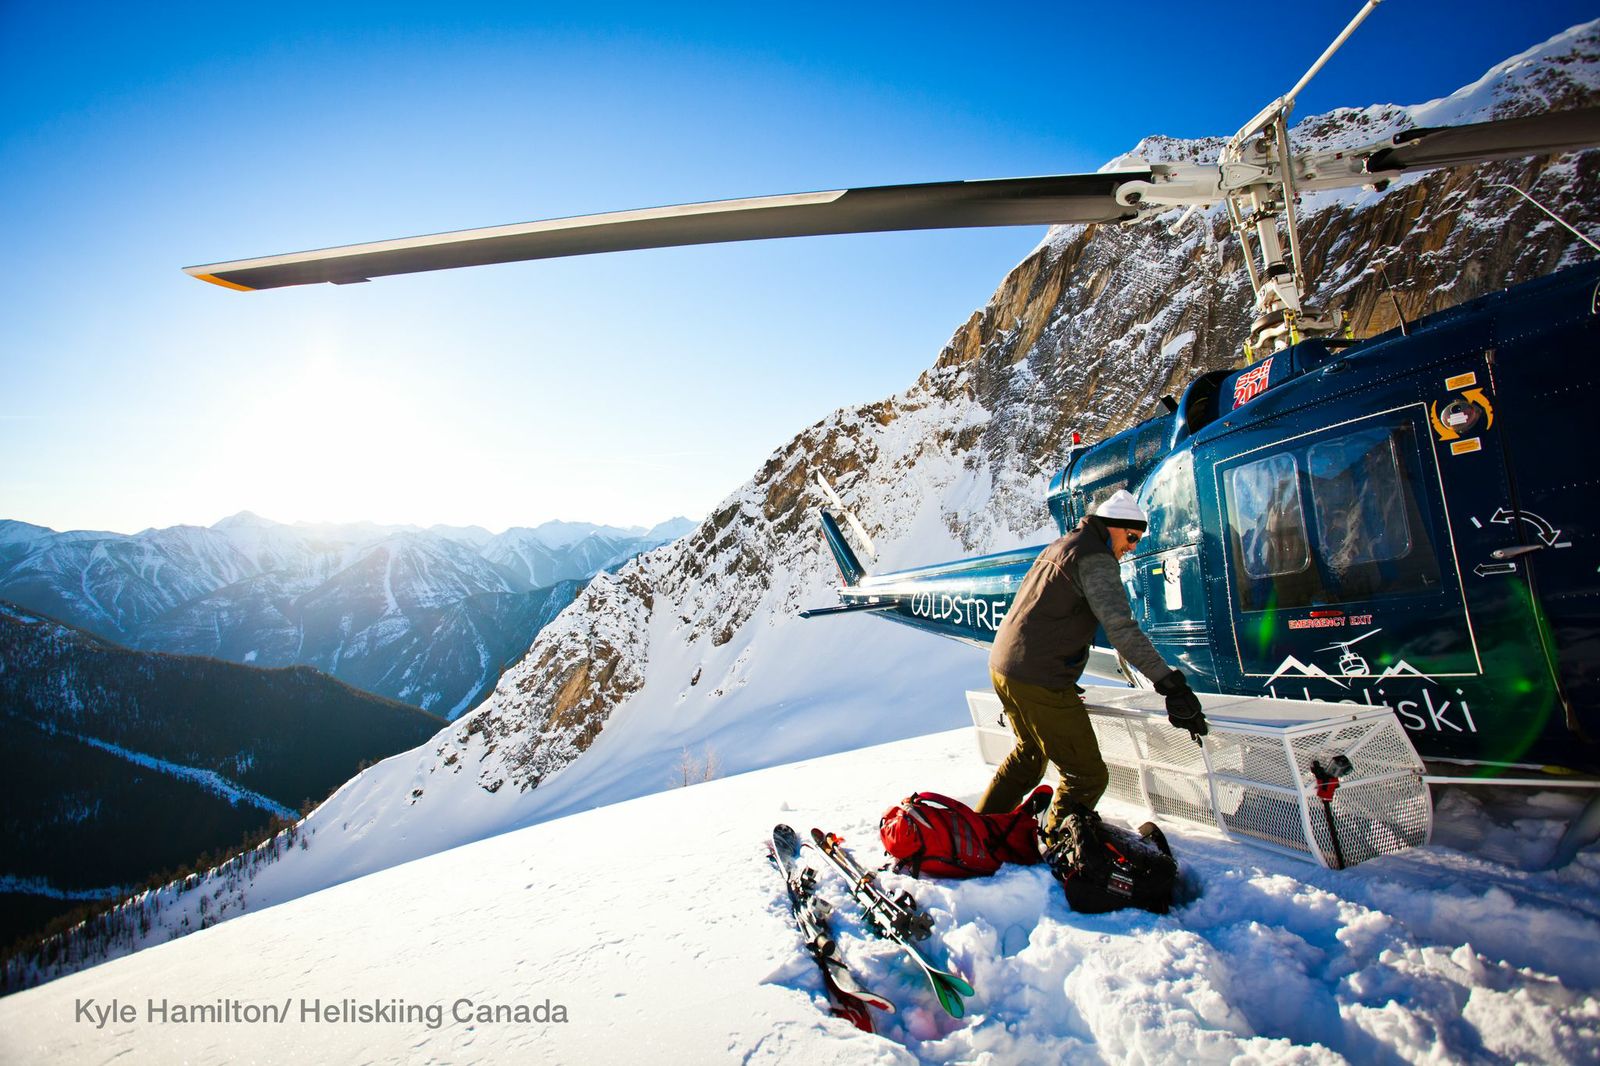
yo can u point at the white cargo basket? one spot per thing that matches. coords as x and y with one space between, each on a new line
1253 778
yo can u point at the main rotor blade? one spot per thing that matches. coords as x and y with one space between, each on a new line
942 205
1447 146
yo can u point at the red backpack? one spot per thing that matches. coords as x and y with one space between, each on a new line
942 837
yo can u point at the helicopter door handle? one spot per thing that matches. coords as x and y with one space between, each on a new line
1512 553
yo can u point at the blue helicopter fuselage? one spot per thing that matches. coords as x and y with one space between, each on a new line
1409 520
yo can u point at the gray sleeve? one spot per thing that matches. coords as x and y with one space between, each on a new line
1101 583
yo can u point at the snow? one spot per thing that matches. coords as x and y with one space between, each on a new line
659 922
1177 344
559 534
209 780
38 886
1510 79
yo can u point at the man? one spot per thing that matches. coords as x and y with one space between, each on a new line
1073 587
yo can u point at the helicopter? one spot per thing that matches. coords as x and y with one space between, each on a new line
1326 485
1351 664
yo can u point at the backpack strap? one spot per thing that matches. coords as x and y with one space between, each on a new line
1034 804
990 834
996 828
933 797
1152 832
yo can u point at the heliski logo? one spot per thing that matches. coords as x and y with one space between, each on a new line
1436 711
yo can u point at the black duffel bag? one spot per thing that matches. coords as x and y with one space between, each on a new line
1105 867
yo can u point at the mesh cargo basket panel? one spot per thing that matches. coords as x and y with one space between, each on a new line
1253 778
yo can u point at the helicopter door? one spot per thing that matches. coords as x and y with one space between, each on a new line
1341 572
1535 518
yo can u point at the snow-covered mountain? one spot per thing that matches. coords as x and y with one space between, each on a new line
476 536
114 584
558 534
690 659
429 617
565 551
20 538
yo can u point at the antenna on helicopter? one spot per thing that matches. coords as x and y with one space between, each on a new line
1382 270
1257 167
1526 196
849 515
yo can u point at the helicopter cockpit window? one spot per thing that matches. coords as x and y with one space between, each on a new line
1268 525
1171 502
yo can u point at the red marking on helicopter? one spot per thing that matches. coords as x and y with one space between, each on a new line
1252 383
1316 623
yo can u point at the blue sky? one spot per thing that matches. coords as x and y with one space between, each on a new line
622 388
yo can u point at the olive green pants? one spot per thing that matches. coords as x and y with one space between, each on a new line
1050 724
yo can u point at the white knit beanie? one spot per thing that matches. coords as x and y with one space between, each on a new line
1121 509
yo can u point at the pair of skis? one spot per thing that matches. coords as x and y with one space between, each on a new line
897 918
849 997
892 917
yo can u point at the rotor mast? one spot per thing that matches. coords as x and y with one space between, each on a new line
1257 179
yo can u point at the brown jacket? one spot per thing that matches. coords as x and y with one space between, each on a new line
1071 590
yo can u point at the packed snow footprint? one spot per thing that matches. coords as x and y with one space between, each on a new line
1284 962
1464 950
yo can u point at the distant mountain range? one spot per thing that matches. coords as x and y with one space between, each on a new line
426 616
122 764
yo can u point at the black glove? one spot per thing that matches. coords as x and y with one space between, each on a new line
1183 706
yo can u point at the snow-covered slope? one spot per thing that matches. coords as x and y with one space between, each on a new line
660 930
19 538
113 584
565 551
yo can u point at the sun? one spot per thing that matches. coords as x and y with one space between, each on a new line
332 438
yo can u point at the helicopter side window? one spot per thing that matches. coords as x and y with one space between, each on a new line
1268 524
1357 496
1367 519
